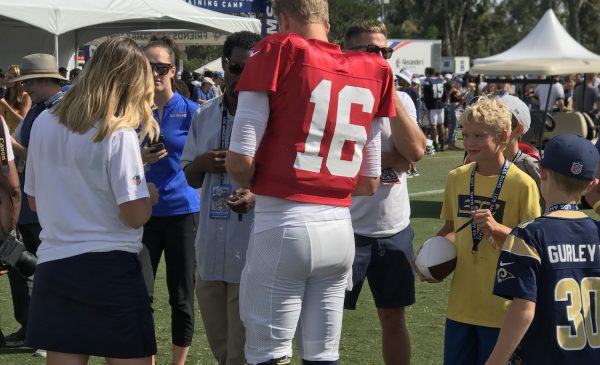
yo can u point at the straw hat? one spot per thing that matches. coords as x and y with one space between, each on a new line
38 66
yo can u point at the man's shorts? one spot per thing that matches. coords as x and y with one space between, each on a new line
387 263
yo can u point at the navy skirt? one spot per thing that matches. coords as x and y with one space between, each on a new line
94 304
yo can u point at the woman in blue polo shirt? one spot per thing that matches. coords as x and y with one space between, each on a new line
172 228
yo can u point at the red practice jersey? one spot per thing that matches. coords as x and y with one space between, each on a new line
322 103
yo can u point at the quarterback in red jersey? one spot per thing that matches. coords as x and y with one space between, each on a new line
320 112
304 139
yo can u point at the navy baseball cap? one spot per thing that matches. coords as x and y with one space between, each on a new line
571 155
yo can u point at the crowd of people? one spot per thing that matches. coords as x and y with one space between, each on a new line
301 150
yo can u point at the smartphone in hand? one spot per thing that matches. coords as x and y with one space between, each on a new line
157 147
158 144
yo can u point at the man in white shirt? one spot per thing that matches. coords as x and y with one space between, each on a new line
382 232
556 102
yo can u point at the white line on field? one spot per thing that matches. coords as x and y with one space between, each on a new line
428 192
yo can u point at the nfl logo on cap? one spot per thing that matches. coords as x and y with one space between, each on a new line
576 168
572 156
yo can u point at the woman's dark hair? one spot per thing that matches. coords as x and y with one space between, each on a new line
169 44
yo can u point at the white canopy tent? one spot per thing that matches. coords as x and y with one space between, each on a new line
547 50
214 65
60 26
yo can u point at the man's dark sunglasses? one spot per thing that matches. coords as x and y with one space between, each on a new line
235 68
385 52
161 68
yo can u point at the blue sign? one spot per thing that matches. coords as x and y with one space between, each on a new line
262 9
224 6
270 23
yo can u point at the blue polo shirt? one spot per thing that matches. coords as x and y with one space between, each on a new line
200 94
175 195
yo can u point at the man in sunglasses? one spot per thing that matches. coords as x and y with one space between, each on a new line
383 241
226 214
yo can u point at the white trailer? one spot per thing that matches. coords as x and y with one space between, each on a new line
415 55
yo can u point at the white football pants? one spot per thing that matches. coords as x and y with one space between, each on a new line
296 276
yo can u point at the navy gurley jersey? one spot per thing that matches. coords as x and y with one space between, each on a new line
554 261
434 93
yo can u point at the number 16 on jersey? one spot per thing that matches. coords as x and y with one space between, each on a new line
309 160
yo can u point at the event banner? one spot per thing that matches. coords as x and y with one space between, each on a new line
264 12
261 9
225 6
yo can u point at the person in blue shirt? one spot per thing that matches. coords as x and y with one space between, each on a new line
204 92
172 228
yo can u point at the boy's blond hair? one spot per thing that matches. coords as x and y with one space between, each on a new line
568 184
492 113
304 11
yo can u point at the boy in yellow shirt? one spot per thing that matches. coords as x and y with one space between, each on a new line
495 196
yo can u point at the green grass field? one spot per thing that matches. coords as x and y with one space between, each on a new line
360 342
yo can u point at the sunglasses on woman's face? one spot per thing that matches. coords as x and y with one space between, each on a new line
385 52
234 68
161 69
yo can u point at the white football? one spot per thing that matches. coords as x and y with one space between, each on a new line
437 258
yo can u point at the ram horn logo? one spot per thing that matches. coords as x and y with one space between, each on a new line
503 275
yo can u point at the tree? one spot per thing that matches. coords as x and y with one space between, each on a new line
342 13
479 28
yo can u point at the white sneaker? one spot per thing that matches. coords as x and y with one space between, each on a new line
40 353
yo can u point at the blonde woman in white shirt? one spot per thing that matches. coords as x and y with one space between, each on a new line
86 180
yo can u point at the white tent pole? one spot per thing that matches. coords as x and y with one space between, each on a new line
76 49
56 49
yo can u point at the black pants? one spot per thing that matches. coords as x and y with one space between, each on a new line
175 235
20 286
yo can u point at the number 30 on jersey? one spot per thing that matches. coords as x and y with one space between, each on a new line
585 326
309 160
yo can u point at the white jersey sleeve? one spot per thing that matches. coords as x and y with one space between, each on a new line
250 122
371 161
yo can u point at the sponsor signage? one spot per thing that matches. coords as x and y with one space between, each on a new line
225 6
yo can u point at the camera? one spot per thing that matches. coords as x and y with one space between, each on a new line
14 256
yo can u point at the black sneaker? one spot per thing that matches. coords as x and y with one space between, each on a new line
16 339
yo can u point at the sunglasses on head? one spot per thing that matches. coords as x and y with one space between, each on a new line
161 68
234 68
385 52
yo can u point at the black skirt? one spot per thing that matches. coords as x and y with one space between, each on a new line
93 304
